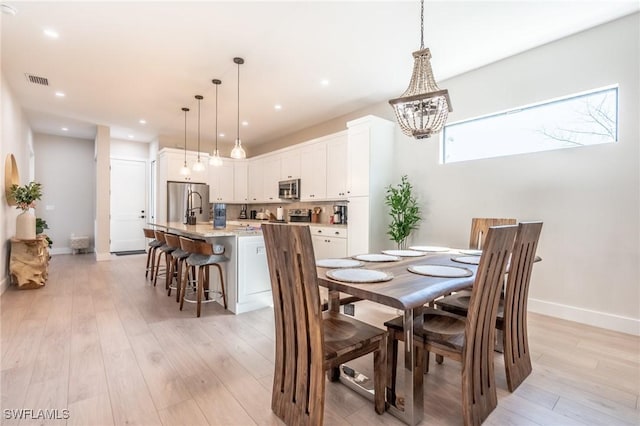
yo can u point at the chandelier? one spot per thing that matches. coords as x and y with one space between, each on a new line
423 108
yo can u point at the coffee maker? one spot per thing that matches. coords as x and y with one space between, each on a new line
339 215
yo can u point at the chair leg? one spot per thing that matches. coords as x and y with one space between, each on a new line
199 290
224 295
146 271
183 285
379 375
178 279
155 278
392 367
168 260
439 359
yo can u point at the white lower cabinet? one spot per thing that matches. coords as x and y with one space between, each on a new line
253 284
328 242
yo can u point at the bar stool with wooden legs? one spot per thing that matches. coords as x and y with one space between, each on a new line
151 254
166 250
201 258
176 263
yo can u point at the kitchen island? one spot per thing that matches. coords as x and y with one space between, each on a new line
248 286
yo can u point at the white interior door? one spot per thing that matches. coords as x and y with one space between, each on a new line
128 201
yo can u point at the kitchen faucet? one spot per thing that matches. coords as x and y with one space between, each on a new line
191 220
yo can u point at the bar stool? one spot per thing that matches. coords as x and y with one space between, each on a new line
151 253
201 258
178 258
166 250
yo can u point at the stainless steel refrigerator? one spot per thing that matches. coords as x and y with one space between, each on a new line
187 200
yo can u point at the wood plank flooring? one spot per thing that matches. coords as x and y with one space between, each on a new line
101 342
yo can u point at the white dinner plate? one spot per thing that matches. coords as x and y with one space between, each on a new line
359 275
432 249
471 252
338 263
470 260
404 253
440 271
374 257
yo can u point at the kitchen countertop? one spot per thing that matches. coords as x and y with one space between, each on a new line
255 222
205 229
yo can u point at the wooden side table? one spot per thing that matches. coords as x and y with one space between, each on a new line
29 262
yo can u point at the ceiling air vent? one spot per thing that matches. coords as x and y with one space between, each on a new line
37 80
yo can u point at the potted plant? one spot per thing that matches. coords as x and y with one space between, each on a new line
25 197
404 212
41 225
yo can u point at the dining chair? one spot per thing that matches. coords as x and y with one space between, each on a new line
310 342
480 227
469 340
512 309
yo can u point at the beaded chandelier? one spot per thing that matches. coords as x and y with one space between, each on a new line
423 108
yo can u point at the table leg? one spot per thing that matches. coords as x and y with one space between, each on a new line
411 409
334 301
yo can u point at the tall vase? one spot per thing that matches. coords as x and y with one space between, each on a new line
26 226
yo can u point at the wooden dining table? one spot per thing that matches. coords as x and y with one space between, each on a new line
409 292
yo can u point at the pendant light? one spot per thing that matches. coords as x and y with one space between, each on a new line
237 151
215 160
198 166
423 108
184 171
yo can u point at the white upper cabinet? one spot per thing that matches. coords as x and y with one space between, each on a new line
171 161
255 186
271 177
337 166
290 164
240 181
358 161
221 182
313 169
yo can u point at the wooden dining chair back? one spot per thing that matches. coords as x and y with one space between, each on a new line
470 339
517 359
310 342
479 396
512 309
480 226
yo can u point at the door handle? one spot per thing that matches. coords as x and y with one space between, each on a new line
142 217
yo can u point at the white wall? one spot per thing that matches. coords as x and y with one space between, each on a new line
17 140
588 197
66 169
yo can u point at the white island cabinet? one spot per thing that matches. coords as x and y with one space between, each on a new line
246 273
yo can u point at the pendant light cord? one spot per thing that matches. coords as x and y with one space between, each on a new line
238 121
199 98
216 153
421 24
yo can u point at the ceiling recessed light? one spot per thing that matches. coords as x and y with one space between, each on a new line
51 33
245 123
65 129
143 121
324 82
221 135
277 107
130 136
60 94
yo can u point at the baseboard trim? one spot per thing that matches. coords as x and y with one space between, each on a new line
586 316
68 250
103 256
4 284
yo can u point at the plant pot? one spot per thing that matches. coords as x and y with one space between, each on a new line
26 226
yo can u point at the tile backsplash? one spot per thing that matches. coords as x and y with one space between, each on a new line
233 210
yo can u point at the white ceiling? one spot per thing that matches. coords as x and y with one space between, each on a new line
118 62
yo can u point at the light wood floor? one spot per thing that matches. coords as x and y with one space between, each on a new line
99 341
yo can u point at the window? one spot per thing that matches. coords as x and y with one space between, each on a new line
584 119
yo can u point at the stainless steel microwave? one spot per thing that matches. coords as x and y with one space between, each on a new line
289 189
